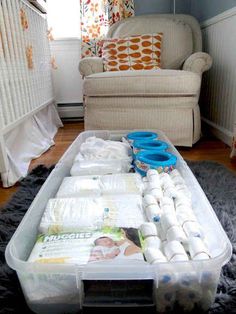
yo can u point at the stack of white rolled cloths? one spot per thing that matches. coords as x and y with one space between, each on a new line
172 232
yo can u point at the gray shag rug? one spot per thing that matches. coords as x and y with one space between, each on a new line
219 185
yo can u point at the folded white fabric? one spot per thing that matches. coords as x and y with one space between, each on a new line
97 148
80 187
64 214
98 156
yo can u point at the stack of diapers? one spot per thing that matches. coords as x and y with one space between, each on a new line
65 214
127 183
80 187
98 156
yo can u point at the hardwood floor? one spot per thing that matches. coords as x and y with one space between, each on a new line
208 148
65 136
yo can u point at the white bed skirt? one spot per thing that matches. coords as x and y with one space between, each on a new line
27 141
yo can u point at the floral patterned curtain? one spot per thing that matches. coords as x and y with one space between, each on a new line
96 18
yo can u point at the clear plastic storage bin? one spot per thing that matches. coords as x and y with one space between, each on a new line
61 288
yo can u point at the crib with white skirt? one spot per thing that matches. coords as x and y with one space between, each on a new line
28 116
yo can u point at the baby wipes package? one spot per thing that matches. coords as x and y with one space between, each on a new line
88 245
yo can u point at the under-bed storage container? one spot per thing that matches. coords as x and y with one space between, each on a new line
61 288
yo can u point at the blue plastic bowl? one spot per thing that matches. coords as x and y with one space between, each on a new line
141 136
152 145
161 161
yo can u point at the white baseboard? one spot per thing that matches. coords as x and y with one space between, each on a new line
221 133
68 111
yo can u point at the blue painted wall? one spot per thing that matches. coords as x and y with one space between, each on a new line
152 6
181 6
161 6
205 9
201 9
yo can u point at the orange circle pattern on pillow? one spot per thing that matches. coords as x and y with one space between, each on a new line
140 52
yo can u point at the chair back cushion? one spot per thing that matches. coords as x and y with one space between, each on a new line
181 35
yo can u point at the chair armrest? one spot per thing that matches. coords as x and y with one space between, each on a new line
90 65
198 62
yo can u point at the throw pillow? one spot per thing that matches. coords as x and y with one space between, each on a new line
141 52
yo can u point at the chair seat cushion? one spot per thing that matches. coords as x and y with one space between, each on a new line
142 83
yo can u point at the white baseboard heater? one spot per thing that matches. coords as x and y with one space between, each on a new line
71 111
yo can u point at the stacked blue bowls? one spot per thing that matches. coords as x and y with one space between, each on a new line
151 145
158 160
141 136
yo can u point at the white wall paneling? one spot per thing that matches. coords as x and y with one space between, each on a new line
67 80
218 100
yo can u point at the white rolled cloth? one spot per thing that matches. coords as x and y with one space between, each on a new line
168 186
155 190
176 233
175 173
168 221
197 246
201 256
181 200
151 173
155 180
193 229
154 256
178 180
184 214
152 242
148 229
174 248
182 189
149 199
161 232
157 193
167 206
153 213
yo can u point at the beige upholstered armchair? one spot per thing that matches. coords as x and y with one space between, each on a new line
165 99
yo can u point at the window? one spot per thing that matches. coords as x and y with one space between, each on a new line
63 16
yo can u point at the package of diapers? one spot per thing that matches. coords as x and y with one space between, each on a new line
63 214
125 183
94 186
80 187
123 211
87 245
